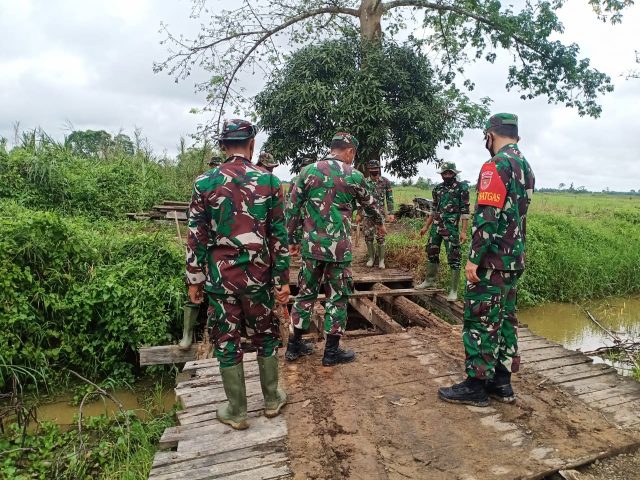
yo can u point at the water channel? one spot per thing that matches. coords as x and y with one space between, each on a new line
569 325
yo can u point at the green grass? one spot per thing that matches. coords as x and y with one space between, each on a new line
579 247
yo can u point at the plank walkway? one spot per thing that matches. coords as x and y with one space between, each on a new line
596 384
205 448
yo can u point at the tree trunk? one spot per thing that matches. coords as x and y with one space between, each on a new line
370 20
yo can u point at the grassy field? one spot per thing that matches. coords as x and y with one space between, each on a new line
579 246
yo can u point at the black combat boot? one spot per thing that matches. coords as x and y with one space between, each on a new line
471 392
297 347
333 355
500 387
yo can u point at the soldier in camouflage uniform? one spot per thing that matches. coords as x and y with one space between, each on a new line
496 262
215 161
238 253
266 161
319 226
303 163
380 188
450 209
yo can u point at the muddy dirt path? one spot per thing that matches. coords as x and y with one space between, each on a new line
380 418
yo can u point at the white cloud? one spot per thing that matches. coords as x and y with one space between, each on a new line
90 63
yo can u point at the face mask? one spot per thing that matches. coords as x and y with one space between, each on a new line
449 181
488 144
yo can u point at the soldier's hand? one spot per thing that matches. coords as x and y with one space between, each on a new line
463 237
196 293
294 250
382 230
471 272
282 294
391 218
423 231
358 218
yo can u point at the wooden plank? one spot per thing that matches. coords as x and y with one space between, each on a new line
630 415
621 400
534 345
213 362
174 460
577 372
414 312
588 385
215 379
262 430
619 389
544 366
548 354
375 315
256 405
166 354
172 435
198 399
201 396
209 467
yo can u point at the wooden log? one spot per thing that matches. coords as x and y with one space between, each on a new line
414 312
166 354
375 315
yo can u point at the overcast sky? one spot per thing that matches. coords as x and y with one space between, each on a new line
89 64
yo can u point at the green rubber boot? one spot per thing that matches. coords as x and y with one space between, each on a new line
274 398
371 252
455 280
234 412
430 280
381 256
190 317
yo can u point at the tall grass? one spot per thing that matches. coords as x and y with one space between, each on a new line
593 251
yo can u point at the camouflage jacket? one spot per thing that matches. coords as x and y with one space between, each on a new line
321 207
505 188
381 191
237 238
450 202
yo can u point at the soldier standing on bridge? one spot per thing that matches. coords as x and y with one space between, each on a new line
496 262
450 208
237 252
319 226
380 188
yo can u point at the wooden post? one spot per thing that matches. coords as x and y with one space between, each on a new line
414 312
375 315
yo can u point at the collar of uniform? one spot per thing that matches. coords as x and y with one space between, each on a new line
512 146
237 155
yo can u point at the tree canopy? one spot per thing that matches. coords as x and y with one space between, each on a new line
389 97
248 38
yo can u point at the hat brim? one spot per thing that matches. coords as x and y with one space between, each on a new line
450 170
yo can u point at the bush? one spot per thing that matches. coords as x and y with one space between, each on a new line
84 295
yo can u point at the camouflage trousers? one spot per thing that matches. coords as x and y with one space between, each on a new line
336 279
370 232
448 233
229 313
490 331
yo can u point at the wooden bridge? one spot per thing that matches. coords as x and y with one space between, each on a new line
379 417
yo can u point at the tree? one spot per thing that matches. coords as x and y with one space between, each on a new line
246 38
389 97
93 143
561 186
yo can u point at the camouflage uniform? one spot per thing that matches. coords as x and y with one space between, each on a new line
322 202
505 188
381 191
237 243
450 205
267 161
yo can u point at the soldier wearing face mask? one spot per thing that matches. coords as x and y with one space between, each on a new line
450 209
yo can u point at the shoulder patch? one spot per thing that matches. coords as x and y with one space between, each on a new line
491 189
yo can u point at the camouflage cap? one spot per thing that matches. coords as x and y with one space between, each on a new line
307 161
373 164
237 129
215 161
448 167
347 138
267 160
501 119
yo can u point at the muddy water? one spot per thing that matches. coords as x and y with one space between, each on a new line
569 325
60 410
